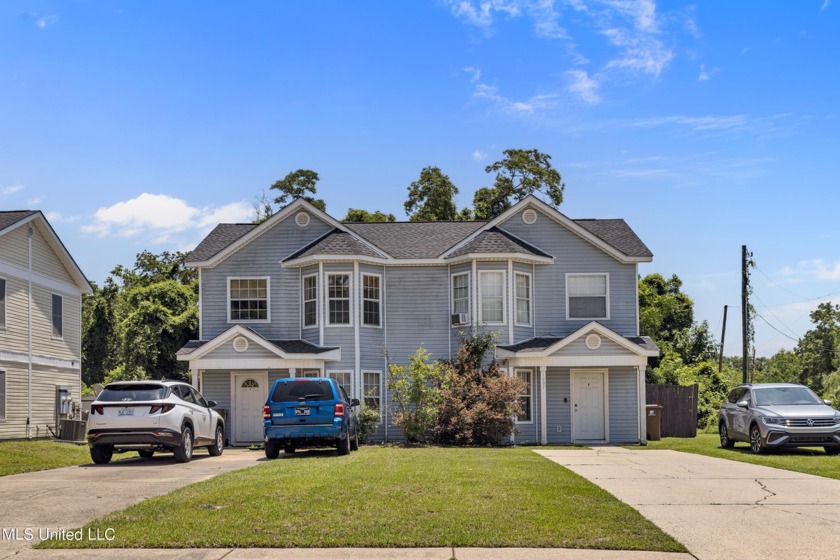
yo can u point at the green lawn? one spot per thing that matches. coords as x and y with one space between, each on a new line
806 460
388 497
40 455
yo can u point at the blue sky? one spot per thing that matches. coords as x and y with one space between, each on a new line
140 125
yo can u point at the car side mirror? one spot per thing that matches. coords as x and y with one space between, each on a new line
354 402
742 404
212 404
827 401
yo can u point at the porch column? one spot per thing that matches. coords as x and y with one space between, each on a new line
543 412
292 372
642 403
512 434
194 372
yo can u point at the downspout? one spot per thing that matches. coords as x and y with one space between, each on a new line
358 293
511 297
385 400
29 388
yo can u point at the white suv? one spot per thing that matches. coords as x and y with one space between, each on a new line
149 416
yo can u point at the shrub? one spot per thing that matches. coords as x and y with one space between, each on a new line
415 391
368 420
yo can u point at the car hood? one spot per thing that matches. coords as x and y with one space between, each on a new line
798 410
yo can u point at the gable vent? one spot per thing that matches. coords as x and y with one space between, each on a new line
529 216
240 343
302 219
593 341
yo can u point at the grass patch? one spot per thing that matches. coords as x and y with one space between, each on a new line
388 497
805 460
25 456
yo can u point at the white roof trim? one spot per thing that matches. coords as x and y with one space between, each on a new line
558 217
298 204
239 330
519 257
57 247
586 329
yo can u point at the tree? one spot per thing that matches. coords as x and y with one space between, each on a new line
781 367
818 349
357 215
296 185
415 390
519 174
98 337
150 268
431 198
664 310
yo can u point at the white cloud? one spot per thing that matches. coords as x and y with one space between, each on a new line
43 22
10 190
706 74
56 217
583 86
640 52
534 104
825 5
813 269
35 201
475 73
478 155
480 14
160 218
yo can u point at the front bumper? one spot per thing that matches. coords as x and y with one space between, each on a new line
135 438
304 436
782 436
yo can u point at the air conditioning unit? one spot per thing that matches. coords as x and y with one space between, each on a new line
459 319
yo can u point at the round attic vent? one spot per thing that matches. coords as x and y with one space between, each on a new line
529 216
240 343
302 219
593 341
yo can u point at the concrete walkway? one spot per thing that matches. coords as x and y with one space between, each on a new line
719 508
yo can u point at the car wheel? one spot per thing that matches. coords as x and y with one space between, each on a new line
829 450
272 450
101 454
354 443
219 444
289 449
725 442
146 453
183 453
343 445
755 440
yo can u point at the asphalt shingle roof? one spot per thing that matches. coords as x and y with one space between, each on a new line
618 234
221 236
287 346
335 242
415 240
11 217
495 240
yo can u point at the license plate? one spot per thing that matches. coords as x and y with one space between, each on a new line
126 412
302 411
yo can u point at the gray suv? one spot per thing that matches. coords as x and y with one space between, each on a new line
776 415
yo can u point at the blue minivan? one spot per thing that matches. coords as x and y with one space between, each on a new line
309 412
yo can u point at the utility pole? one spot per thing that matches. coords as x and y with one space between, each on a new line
744 316
722 338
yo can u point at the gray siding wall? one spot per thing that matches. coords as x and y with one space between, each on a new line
215 386
608 348
574 254
558 412
44 382
624 408
261 257
418 311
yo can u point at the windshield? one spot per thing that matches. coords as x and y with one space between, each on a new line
128 393
785 395
309 389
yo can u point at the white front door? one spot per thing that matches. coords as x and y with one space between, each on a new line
588 405
249 395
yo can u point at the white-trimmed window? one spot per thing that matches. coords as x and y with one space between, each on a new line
522 286
461 293
338 293
344 378
372 389
57 316
587 296
491 291
371 300
310 300
308 372
527 397
2 303
2 396
248 300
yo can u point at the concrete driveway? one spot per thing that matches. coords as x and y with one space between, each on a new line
719 508
71 496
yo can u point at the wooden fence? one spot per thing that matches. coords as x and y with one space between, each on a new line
679 413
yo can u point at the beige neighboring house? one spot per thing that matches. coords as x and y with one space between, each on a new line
41 289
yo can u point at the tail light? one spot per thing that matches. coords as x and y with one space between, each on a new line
339 409
267 412
96 409
162 408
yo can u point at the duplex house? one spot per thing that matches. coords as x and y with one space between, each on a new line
303 294
41 289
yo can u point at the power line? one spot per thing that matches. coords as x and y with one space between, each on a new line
790 330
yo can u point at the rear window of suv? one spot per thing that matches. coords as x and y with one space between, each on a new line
129 393
309 389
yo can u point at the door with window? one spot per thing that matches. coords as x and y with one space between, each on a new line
588 412
250 391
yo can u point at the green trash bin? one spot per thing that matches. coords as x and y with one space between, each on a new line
653 414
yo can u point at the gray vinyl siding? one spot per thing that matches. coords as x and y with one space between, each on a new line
215 386
44 383
418 311
607 348
624 408
261 258
573 254
558 412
